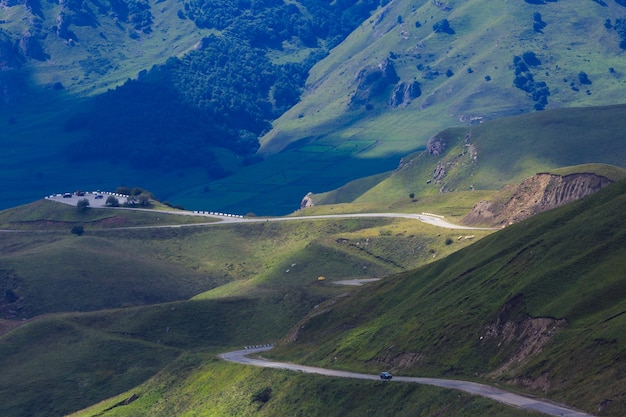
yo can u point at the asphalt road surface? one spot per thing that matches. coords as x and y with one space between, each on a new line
497 394
229 218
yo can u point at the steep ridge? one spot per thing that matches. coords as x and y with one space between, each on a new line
466 74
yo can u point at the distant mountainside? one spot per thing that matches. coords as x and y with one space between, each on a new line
124 90
395 82
493 60
232 70
497 153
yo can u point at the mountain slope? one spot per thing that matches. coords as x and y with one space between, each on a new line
485 41
538 305
249 282
493 154
401 76
311 140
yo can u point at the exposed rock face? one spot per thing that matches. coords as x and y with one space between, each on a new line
307 201
535 195
436 146
404 93
372 81
519 337
439 173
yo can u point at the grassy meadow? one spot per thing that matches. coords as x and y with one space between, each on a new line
139 298
130 309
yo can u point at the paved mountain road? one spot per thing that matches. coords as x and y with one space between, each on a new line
225 218
497 394
241 357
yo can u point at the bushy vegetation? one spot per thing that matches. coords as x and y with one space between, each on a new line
620 27
222 94
538 91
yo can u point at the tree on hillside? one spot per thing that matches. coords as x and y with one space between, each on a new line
82 205
443 26
77 230
538 24
583 78
139 200
531 59
112 202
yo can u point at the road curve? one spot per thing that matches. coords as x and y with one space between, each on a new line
497 394
228 219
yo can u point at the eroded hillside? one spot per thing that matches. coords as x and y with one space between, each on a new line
535 195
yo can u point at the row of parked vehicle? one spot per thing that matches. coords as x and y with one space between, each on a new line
97 196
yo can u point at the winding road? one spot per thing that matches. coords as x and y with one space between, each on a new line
241 356
497 394
229 219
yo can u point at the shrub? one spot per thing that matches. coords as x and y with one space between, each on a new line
263 395
112 202
82 205
443 26
531 59
583 78
78 230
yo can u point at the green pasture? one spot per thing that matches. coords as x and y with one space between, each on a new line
48 268
62 363
267 276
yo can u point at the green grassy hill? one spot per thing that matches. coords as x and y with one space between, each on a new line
500 152
85 317
316 134
505 309
111 266
537 306
486 38
215 388
321 143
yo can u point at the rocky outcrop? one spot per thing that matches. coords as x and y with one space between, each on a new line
307 201
535 195
439 172
436 146
403 93
372 81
